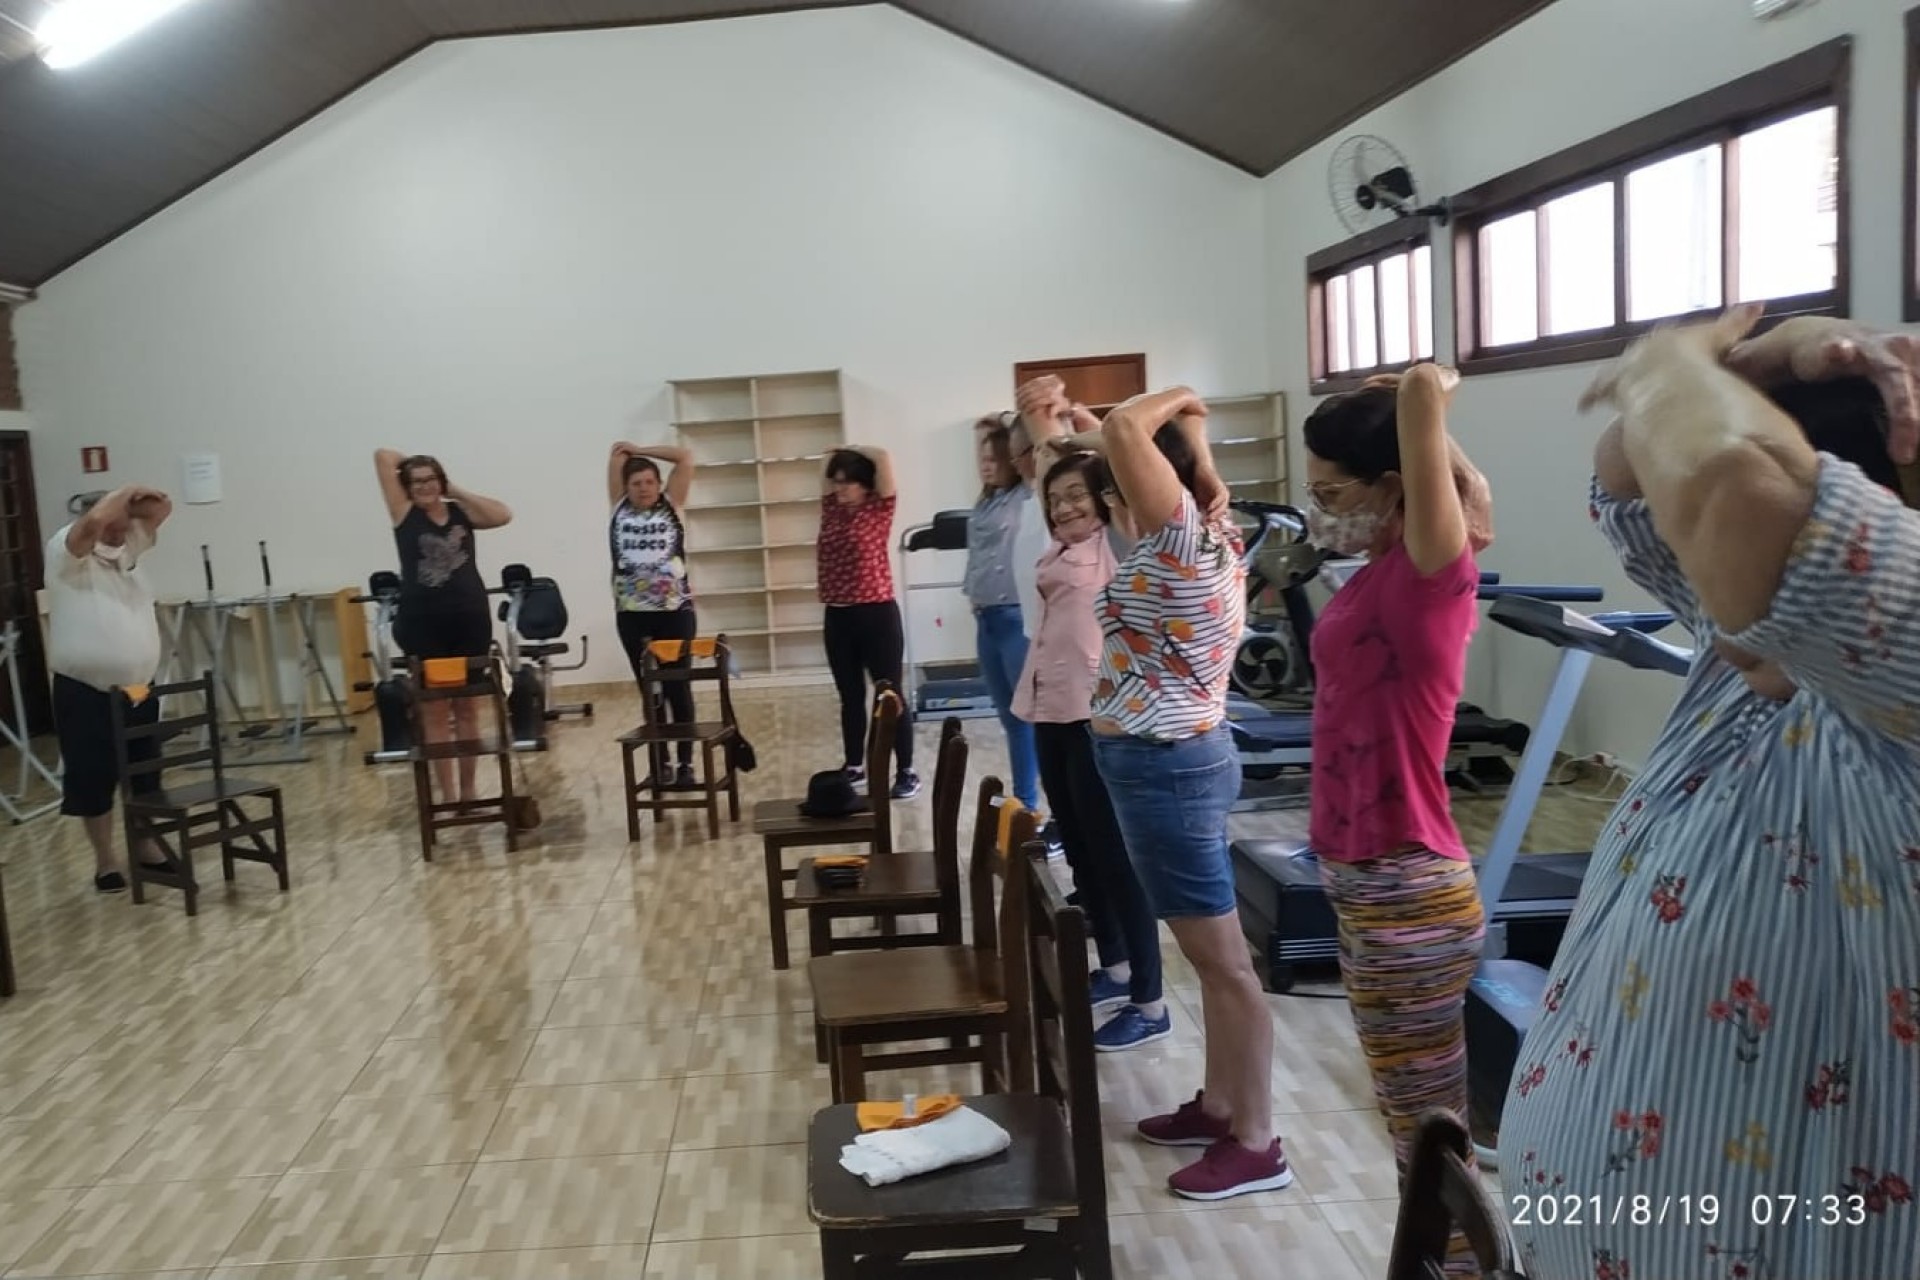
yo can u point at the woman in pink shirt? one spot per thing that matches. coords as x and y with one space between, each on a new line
1055 695
1390 654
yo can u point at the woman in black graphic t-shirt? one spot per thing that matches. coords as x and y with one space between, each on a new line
443 602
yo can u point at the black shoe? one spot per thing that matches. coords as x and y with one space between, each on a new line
857 776
906 785
683 779
111 882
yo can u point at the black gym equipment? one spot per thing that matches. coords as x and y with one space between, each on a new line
536 618
1530 899
952 687
1283 910
392 690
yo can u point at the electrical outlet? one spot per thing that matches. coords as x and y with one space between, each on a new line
1604 760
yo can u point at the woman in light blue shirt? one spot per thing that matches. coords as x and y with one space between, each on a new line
991 588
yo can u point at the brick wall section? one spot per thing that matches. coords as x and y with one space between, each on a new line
9 371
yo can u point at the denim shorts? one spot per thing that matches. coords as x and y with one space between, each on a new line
1172 800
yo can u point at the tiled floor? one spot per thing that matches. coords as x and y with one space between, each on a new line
574 1061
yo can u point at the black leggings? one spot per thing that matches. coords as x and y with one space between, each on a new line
1122 922
865 641
637 627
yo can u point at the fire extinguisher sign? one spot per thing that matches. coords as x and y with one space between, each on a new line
93 458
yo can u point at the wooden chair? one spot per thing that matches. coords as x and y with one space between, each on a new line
961 994
1443 1192
482 683
904 883
1045 1197
781 826
711 663
179 817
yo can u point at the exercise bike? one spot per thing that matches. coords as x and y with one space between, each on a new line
535 615
1274 663
391 688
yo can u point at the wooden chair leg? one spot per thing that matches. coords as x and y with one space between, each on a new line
776 906
851 1075
280 844
712 784
836 1256
632 792
508 808
820 1054
423 801
819 933
1093 1249
993 1059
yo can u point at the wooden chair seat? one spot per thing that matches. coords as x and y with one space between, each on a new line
865 988
1033 1178
889 882
191 794
699 731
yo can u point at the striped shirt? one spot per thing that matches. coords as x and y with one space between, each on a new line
1170 622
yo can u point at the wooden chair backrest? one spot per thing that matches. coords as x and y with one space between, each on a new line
200 726
1063 1050
997 896
709 661
949 792
881 726
1443 1192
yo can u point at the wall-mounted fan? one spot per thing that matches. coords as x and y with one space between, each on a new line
1371 184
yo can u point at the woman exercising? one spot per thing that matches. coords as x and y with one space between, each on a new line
1389 657
863 634
443 602
1170 619
1055 694
991 586
652 599
1730 1037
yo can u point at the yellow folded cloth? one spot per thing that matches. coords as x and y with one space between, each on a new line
841 860
136 693
893 1115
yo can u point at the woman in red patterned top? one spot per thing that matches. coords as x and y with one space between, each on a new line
863 633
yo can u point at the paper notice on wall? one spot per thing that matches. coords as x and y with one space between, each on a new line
200 478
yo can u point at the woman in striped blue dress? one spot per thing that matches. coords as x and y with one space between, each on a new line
1724 1080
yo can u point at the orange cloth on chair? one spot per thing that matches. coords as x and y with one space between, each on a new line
841 860
892 1115
444 673
136 693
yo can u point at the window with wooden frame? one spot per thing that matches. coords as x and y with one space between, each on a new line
1910 229
1369 306
1738 195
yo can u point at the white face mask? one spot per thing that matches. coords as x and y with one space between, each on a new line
1349 533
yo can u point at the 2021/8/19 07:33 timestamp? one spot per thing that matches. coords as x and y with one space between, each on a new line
1827 1210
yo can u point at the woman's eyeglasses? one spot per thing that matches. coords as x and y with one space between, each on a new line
1067 497
1326 491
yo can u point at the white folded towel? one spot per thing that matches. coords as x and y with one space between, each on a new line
888 1155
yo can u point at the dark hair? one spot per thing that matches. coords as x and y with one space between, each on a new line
637 463
1359 432
1173 446
1092 469
1846 418
999 440
853 466
407 466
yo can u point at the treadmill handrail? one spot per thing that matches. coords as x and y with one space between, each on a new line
1567 594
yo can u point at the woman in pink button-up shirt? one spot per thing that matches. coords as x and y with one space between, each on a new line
1055 695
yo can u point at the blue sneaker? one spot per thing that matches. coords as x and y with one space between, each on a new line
1107 994
1129 1029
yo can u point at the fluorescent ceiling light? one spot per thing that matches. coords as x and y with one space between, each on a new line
78 29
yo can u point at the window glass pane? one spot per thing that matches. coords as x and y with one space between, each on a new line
1789 221
1423 303
1396 311
1579 240
1366 323
1510 307
1674 235
1339 347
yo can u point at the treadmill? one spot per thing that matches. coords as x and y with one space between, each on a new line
1530 899
953 687
1283 910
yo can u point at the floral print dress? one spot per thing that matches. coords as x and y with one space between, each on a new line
1724 1080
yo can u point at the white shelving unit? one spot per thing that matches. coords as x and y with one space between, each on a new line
1248 436
761 444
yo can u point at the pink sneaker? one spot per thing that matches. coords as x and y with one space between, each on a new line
1188 1127
1229 1169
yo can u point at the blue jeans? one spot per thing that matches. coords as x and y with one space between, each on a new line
1002 645
1172 800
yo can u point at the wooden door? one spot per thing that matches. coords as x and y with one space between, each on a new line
20 581
1099 382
